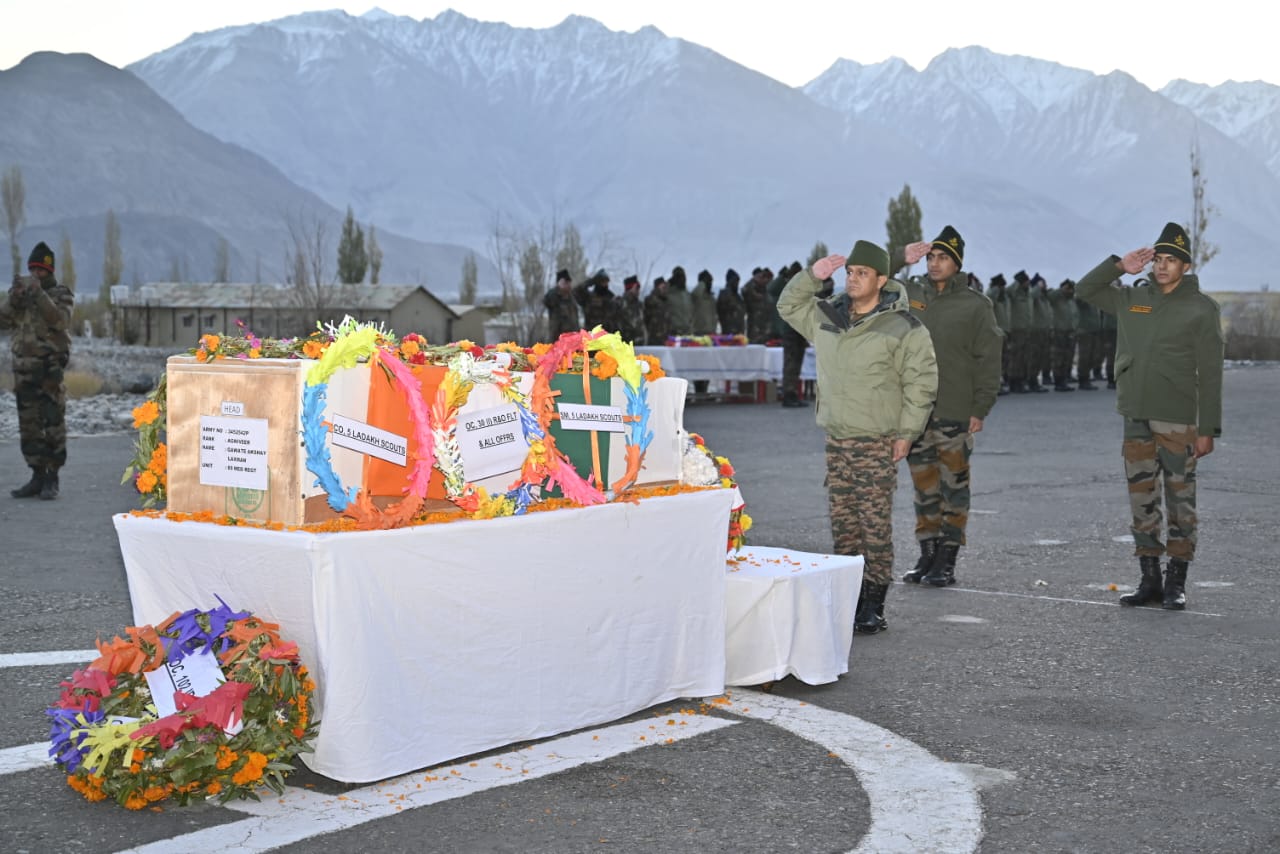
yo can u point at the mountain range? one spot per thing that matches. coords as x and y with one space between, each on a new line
660 151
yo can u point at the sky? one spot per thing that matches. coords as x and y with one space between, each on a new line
793 41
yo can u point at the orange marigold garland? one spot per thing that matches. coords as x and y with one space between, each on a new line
150 465
109 739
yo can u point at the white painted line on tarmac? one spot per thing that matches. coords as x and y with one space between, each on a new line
302 814
15 760
918 802
961 618
39 659
1066 599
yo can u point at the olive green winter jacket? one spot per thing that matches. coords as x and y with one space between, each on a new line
1168 348
967 344
877 376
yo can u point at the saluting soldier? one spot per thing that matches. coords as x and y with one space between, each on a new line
39 310
1169 378
562 308
631 311
657 315
967 341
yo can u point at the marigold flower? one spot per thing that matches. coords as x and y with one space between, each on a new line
213 788
210 342
606 367
409 348
145 414
146 482
226 757
313 349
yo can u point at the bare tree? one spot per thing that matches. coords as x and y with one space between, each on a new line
570 255
467 289
15 203
66 263
305 254
221 261
1202 251
112 258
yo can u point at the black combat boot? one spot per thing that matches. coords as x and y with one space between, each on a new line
49 490
928 553
943 572
869 618
31 488
1086 385
1149 588
1175 582
1061 385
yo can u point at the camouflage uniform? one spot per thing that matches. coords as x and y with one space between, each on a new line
40 312
599 304
630 312
760 310
861 479
731 310
1041 334
679 303
562 313
1169 378
657 318
1107 343
1159 457
1019 297
1088 343
793 347
1063 347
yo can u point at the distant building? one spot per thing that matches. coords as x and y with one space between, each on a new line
176 315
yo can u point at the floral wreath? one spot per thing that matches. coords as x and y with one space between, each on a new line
107 736
700 466
638 434
150 465
465 372
353 343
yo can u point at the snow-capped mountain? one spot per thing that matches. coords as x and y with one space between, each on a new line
1247 112
665 152
94 137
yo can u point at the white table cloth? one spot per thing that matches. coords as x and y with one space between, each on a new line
439 641
789 613
731 364
808 368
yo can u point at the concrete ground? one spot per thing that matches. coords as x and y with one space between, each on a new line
1084 727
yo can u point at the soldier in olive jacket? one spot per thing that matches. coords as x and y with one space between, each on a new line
967 342
877 380
1169 390
39 309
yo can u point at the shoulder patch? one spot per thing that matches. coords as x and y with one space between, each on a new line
1140 309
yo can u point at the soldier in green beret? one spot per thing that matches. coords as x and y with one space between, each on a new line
39 310
962 326
1169 390
877 380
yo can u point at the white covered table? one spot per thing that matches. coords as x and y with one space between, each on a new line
789 613
439 641
747 363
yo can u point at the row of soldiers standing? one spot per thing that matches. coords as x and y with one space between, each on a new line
671 307
1043 330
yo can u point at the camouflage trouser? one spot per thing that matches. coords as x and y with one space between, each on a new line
1160 465
1039 353
1064 353
939 462
861 479
42 407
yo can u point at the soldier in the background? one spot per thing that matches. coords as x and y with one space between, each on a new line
1088 344
975 284
1038 372
1062 348
562 309
1107 332
1020 332
657 315
704 305
631 311
1000 307
730 308
793 343
39 310
680 303
598 305
760 311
